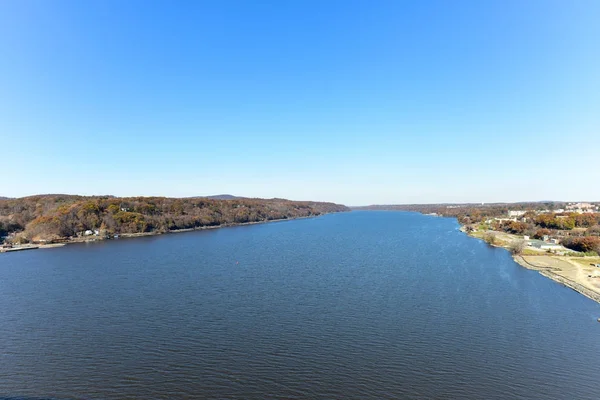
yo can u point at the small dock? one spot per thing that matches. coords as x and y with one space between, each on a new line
18 248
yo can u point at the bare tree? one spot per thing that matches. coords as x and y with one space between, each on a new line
490 238
518 246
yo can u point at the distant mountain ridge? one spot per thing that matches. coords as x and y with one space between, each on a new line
222 197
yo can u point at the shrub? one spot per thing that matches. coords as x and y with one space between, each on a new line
540 233
518 246
593 231
517 228
582 244
586 254
490 238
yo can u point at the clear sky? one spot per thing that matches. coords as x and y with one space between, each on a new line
357 102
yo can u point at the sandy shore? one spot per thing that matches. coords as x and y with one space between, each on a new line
576 273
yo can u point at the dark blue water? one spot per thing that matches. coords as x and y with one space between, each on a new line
357 305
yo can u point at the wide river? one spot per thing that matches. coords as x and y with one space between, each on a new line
361 305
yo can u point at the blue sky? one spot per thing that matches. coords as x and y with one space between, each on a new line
357 102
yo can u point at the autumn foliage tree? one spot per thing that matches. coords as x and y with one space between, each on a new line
584 244
540 233
586 220
551 221
51 217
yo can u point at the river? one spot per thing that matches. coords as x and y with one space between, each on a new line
360 305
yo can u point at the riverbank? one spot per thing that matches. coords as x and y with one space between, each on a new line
89 239
567 271
577 273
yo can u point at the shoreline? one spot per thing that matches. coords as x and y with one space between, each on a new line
548 272
202 228
153 233
551 271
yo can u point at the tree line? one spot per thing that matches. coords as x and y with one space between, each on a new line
59 217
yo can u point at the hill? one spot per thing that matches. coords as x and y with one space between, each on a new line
60 217
222 197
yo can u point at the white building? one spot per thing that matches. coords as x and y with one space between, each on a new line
547 246
516 213
581 206
501 220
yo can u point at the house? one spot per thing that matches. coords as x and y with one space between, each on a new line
546 246
516 213
525 237
554 241
580 206
545 238
502 220
584 210
88 233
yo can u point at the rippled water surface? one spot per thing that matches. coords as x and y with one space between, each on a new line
356 305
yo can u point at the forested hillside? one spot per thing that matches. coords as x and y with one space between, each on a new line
57 217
